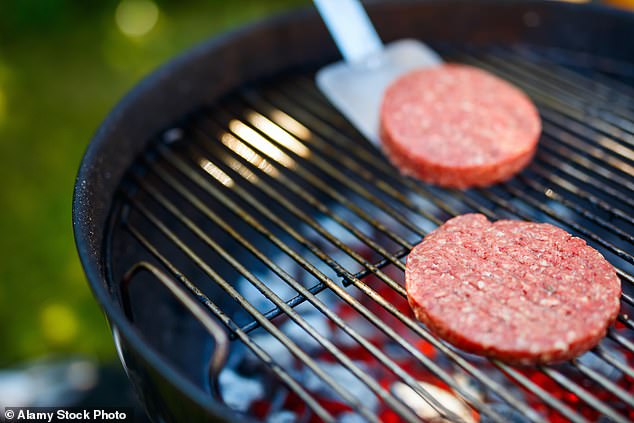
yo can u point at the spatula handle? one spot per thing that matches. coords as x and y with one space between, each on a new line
351 28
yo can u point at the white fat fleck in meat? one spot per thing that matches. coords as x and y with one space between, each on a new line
506 315
467 106
570 335
469 318
549 302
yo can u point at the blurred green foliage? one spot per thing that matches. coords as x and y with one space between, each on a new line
63 65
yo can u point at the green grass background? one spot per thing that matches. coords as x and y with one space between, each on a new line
63 66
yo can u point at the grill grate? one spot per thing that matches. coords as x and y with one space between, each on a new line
276 200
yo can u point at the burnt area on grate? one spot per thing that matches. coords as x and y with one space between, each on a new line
294 230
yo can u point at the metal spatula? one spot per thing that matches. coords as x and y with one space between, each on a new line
356 85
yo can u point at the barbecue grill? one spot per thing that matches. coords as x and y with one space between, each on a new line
248 245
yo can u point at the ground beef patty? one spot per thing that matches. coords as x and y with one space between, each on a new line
458 126
518 291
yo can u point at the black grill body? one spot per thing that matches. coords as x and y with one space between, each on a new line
165 351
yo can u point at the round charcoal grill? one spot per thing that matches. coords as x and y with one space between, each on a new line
248 245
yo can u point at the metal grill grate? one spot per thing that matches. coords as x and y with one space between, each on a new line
273 198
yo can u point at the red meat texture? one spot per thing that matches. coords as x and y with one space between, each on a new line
458 126
521 292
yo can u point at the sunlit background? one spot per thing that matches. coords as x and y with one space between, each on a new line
63 65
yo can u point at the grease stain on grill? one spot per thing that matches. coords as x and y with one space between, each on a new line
308 224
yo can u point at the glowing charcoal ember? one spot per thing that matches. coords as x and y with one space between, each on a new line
425 410
426 348
260 409
239 392
343 377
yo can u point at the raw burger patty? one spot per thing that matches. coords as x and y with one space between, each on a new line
521 292
458 126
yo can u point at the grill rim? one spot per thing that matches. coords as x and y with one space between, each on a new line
107 158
